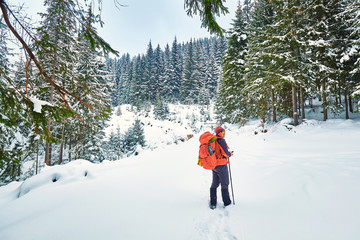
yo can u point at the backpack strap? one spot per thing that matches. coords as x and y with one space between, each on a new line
219 152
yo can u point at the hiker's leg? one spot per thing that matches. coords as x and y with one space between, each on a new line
215 183
225 196
224 180
215 179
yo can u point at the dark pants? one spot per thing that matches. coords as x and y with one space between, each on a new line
220 176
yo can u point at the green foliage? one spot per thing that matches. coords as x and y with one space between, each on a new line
161 110
207 10
188 73
134 137
71 59
289 45
229 104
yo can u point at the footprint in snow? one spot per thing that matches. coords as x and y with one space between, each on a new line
215 225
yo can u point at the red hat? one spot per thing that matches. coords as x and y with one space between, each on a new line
218 130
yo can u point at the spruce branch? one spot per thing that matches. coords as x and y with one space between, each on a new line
62 92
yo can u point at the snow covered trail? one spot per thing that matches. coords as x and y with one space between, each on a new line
298 184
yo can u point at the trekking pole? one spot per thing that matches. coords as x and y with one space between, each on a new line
232 190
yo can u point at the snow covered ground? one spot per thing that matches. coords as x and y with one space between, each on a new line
183 119
296 184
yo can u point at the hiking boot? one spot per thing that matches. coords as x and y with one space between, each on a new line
213 198
212 206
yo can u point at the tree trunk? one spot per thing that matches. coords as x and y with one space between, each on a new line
346 105
324 100
48 151
19 170
61 146
273 104
299 101
339 94
302 104
79 141
49 145
84 138
350 104
37 158
70 149
262 117
13 172
295 114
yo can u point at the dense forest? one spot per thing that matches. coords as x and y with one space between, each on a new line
187 73
277 57
283 54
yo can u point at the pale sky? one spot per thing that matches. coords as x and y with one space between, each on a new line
129 29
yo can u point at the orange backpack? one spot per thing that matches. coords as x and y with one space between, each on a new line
207 157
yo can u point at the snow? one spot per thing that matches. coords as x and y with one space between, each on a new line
157 133
289 183
38 104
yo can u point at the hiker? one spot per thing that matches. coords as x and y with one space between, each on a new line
220 174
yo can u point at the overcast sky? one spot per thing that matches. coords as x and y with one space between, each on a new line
129 29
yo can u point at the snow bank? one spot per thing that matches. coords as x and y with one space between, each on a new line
61 174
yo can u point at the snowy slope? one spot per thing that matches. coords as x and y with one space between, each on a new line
293 184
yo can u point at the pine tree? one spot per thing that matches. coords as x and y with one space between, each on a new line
200 91
125 72
158 70
20 76
342 62
161 110
138 132
286 50
176 70
134 137
166 76
116 81
114 146
136 97
258 90
92 85
352 11
148 83
229 104
188 77
319 48
10 114
57 35
213 68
